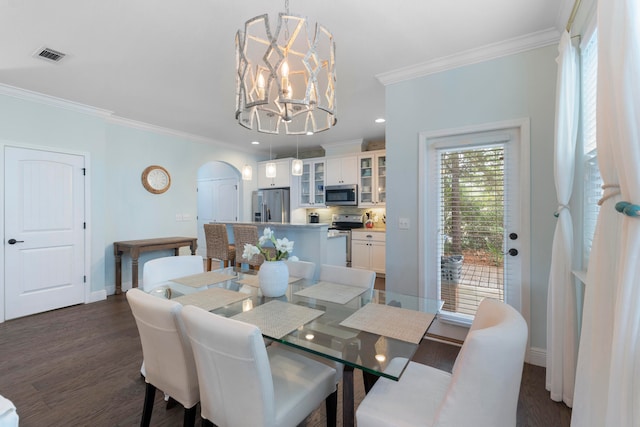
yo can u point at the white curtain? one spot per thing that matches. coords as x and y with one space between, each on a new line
608 373
562 330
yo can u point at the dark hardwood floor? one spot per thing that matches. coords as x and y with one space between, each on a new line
80 366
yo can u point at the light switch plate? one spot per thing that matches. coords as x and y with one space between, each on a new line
403 223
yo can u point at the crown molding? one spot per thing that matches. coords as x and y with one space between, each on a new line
107 115
473 56
52 101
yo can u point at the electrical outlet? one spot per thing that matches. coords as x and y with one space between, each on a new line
403 223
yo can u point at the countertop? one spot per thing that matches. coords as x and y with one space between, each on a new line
282 225
369 230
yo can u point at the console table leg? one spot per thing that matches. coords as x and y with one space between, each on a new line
118 273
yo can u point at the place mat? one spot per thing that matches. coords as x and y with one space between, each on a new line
211 299
203 279
254 281
332 292
393 322
277 318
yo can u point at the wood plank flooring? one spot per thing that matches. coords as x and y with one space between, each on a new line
80 366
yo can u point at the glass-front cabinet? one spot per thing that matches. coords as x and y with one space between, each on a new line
312 183
372 178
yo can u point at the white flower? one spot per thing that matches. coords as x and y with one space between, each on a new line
250 251
294 258
283 247
267 236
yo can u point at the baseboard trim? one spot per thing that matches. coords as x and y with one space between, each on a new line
537 356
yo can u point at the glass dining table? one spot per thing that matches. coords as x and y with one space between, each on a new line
372 330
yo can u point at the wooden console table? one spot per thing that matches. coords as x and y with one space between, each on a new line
136 247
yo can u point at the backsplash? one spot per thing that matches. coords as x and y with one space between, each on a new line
325 214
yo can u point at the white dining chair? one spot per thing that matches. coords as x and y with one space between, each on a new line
169 362
481 391
159 270
347 276
8 415
303 269
244 383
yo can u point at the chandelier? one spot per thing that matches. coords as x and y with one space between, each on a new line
285 80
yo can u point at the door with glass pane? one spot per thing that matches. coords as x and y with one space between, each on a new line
475 201
372 179
312 183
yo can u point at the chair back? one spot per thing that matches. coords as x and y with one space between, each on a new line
302 269
218 243
159 270
167 354
485 381
243 234
348 276
236 385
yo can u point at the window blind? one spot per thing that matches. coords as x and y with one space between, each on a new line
472 211
592 181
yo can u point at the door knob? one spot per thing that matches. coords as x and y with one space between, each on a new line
14 241
513 252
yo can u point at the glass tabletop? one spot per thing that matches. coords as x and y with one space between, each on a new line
319 332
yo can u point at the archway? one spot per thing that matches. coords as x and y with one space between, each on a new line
218 197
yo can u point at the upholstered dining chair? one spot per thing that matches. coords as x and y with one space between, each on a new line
347 276
218 246
244 383
159 270
301 269
8 415
481 391
169 362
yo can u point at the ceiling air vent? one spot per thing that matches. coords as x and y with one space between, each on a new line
49 54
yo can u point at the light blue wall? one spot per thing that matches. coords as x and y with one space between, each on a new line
121 209
513 87
32 124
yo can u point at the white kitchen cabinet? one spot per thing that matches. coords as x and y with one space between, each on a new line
368 250
312 183
283 174
342 170
372 175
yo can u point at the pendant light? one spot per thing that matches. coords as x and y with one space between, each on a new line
247 172
296 165
270 171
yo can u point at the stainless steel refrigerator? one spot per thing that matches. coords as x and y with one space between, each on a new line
271 205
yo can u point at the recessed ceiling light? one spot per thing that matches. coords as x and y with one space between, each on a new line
380 120
255 142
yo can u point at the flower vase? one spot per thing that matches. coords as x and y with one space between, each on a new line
273 278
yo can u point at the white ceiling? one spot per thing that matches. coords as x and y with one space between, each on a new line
171 63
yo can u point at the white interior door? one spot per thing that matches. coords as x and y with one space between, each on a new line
217 202
44 231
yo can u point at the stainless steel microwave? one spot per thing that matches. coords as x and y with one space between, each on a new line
341 195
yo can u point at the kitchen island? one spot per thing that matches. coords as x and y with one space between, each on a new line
311 241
